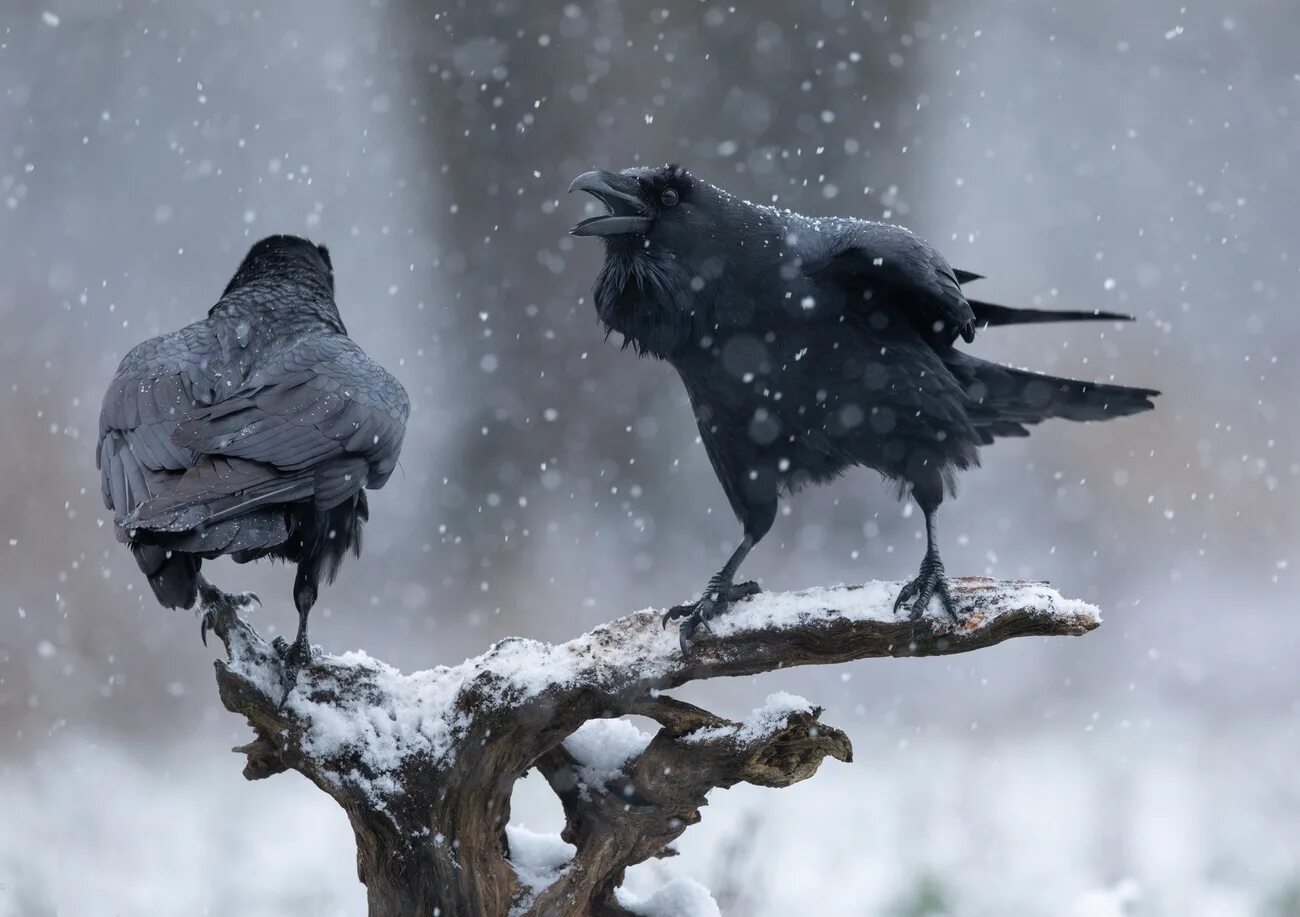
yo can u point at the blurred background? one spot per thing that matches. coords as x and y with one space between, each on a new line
1110 155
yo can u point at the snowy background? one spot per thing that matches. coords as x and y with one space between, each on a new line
1112 155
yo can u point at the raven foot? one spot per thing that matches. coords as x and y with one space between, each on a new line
717 598
214 604
295 656
929 583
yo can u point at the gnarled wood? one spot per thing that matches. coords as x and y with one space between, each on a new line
424 764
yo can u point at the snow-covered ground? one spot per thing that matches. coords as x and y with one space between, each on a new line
1052 822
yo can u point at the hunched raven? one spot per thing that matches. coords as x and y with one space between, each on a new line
250 434
808 346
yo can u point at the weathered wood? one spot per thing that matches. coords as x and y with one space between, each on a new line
424 764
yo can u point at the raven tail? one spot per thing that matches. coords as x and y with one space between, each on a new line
1003 400
986 313
173 575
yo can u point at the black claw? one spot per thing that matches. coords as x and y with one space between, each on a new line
691 622
945 599
677 611
930 583
296 657
717 598
213 602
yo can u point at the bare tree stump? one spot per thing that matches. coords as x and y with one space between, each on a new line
424 764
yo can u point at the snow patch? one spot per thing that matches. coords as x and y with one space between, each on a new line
874 601
412 714
602 747
538 860
763 722
679 898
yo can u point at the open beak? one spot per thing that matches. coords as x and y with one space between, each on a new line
626 215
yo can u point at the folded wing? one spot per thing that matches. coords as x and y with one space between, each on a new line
319 421
889 267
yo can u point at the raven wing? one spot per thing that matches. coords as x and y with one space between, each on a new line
318 420
158 384
894 268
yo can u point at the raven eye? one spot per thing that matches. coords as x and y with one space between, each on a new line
668 198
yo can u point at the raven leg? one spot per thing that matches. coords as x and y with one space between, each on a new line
722 589
930 582
298 653
213 604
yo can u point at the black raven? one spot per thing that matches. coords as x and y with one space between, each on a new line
251 434
811 345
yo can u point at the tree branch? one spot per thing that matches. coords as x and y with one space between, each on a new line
424 764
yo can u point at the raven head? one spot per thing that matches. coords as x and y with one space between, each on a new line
272 256
667 237
290 261
641 205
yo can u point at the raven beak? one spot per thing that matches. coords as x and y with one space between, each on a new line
626 214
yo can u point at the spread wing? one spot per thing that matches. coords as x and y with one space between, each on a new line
318 419
896 269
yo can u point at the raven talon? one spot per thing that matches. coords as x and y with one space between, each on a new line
689 627
916 595
908 590
297 656
744 590
945 599
697 617
213 604
718 597
677 611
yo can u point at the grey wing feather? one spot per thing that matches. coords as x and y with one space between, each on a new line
215 489
155 387
326 409
183 444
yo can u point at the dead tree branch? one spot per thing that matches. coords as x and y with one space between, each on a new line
424 763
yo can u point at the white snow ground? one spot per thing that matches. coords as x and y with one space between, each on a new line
1052 822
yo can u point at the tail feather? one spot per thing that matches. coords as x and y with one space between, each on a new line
987 313
1005 399
216 489
173 575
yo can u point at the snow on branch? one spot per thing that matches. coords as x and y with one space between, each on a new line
424 763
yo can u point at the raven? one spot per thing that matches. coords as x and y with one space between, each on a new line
808 346
250 434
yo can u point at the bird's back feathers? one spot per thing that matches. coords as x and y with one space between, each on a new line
238 433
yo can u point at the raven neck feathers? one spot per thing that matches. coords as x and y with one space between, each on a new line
673 290
646 297
281 304
286 280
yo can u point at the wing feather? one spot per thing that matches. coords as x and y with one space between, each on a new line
891 266
317 419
